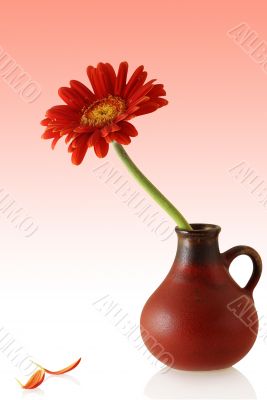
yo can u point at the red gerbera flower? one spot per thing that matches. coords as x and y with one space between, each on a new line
96 118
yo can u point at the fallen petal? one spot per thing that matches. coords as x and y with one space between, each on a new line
35 380
62 371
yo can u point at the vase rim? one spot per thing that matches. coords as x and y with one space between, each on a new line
199 229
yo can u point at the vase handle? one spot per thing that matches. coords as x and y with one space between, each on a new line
236 251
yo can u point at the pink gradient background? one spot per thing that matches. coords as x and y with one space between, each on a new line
217 117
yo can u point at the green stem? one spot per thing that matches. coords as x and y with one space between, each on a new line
151 189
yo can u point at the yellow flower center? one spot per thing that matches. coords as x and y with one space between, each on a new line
102 112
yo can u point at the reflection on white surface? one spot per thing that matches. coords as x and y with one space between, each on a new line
30 394
38 392
222 384
67 378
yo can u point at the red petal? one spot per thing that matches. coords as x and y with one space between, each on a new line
131 112
71 97
83 129
63 112
57 128
133 80
68 138
101 148
120 137
112 76
157 90
65 370
147 108
121 117
57 124
139 82
104 131
83 91
161 102
101 80
114 128
121 78
35 380
109 138
138 102
93 138
45 121
142 91
108 80
80 150
109 128
97 82
66 131
48 134
54 142
128 129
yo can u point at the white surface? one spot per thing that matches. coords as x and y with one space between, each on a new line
58 328
49 284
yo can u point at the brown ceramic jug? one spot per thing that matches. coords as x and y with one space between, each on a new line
200 318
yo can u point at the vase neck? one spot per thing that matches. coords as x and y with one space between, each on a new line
199 246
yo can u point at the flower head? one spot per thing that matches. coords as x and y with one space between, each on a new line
96 118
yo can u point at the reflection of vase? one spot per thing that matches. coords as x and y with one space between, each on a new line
200 318
224 384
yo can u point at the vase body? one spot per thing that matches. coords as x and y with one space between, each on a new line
199 318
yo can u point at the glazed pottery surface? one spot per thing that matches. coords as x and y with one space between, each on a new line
200 318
